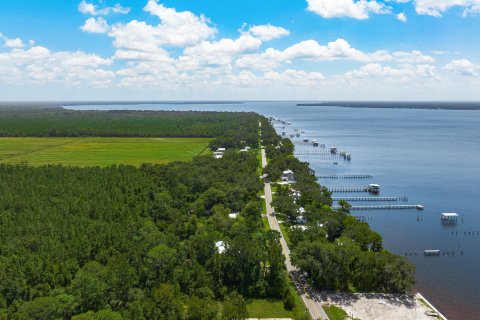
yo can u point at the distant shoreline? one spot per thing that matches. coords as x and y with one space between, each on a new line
397 105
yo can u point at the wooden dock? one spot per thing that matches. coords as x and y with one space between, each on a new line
385 207
348 189
379 199
312 153
346 176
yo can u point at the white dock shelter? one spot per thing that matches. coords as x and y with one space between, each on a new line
450 217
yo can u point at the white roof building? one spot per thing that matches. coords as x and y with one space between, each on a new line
288 176
220 246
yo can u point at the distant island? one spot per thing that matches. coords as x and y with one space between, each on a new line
450 105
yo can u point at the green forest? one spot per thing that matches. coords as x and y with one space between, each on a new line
157 241
154 242
135 243
231 129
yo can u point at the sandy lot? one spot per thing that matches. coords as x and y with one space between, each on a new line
381 306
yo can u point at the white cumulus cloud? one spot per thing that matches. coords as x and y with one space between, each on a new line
95 25
463 67
436 8
12 43
39 65
175 29
94 10
357 9
402 17
268 32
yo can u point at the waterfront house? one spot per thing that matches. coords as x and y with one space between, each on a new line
288 176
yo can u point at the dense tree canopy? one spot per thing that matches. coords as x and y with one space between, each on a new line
126 240
154 242
231 129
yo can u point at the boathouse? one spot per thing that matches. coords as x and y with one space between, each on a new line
373 188
449 217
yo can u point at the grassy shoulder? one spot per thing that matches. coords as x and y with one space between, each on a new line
100 151
335 313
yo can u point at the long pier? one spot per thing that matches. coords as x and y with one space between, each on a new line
346 176
348 189
379 199
385 207
312 153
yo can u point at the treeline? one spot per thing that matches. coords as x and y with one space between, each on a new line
337 252
230 129
126 243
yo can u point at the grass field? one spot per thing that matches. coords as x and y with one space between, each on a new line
265 308
99 151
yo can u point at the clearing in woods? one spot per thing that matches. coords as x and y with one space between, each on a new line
93 151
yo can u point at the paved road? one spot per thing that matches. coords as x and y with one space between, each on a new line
310 298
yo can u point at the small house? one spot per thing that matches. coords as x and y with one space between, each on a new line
220 246
219 153
288 176
301 220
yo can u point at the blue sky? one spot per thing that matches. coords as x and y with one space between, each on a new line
225 49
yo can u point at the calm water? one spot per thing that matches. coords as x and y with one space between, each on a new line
430 156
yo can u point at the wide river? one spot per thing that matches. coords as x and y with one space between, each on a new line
430 156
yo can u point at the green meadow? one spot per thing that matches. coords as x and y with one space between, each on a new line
94 151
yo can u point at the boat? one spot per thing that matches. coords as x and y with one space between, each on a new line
333 150
431 252
306 140
315 143
298 135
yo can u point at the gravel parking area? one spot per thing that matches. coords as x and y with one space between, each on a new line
381 306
